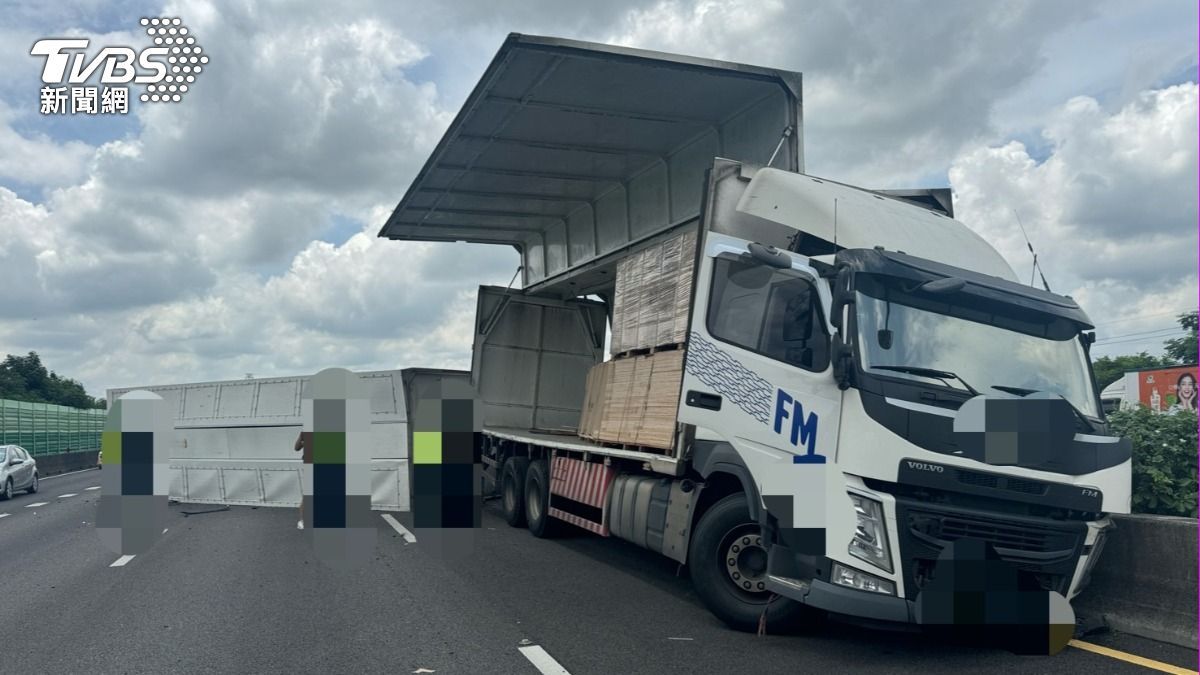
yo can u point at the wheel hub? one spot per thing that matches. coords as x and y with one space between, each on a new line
745 561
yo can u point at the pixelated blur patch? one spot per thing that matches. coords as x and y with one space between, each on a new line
132 511
976 597
337 484
1019 431
427 447
794 493
446 468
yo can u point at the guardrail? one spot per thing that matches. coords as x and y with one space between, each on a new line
46 429
1145 581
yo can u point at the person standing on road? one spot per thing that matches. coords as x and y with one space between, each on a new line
305 445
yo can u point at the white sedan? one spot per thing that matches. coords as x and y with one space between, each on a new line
18 471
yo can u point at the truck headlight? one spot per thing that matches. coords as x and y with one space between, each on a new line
870 541
848 576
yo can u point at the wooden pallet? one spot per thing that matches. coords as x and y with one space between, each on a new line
646 351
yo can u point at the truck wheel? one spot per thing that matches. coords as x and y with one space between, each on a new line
728 565
537 501
512 490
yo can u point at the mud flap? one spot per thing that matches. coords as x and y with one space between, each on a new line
977 597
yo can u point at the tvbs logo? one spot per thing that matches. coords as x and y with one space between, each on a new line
167 69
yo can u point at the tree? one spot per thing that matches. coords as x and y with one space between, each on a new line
1110 368
1183 350
25 378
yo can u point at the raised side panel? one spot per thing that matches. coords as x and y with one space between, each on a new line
581 232
612 226
531 358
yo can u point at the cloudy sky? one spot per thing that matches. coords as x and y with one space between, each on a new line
234 232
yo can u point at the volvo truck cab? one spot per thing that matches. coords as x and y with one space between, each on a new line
925 439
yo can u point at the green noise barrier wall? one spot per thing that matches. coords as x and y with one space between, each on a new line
46 429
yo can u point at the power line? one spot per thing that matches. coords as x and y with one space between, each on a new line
1140 318
1151 336
1145 337
1144 332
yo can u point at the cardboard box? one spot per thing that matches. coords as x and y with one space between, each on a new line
652 295
634 400
616 400
657 428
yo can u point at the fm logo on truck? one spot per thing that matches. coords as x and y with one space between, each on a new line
803 429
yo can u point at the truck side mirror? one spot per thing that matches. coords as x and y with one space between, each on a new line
843 364
842 296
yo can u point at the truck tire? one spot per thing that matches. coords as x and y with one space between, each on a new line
537 501
512 490
728 568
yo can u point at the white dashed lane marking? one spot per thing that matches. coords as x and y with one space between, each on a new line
408 536
94 487
5 515
120 562
35 504
542 660
69 494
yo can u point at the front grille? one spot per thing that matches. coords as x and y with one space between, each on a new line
1031 487
1000 536
998 482
1046 548
979 479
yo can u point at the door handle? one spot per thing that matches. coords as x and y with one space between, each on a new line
700 399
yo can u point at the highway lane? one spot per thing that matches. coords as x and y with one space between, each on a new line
240 591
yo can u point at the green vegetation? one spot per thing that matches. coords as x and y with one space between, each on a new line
1183 350
24 378
1164 459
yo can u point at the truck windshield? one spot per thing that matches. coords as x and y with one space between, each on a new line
893 334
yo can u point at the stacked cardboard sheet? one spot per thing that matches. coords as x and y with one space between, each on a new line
633 401
653 291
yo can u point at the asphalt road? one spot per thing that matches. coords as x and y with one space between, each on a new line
241 591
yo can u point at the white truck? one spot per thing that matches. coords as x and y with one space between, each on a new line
865 333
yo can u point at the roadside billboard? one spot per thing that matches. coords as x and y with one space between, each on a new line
1167 389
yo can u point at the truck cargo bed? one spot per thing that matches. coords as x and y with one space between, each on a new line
570 442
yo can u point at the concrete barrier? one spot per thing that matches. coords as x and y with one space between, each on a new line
1145 581
63 462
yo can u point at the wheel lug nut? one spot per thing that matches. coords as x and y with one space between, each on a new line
746 541
732 562
746 585
736 548
736 575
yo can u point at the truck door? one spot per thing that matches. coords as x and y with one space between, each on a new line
758 374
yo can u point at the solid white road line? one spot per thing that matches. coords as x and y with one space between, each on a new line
36 504
69 473
69 494
542 661
120 562
408 536
94 487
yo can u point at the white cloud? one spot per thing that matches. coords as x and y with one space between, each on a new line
1112 210
187 249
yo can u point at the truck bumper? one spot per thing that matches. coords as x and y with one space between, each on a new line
842 600
976 596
